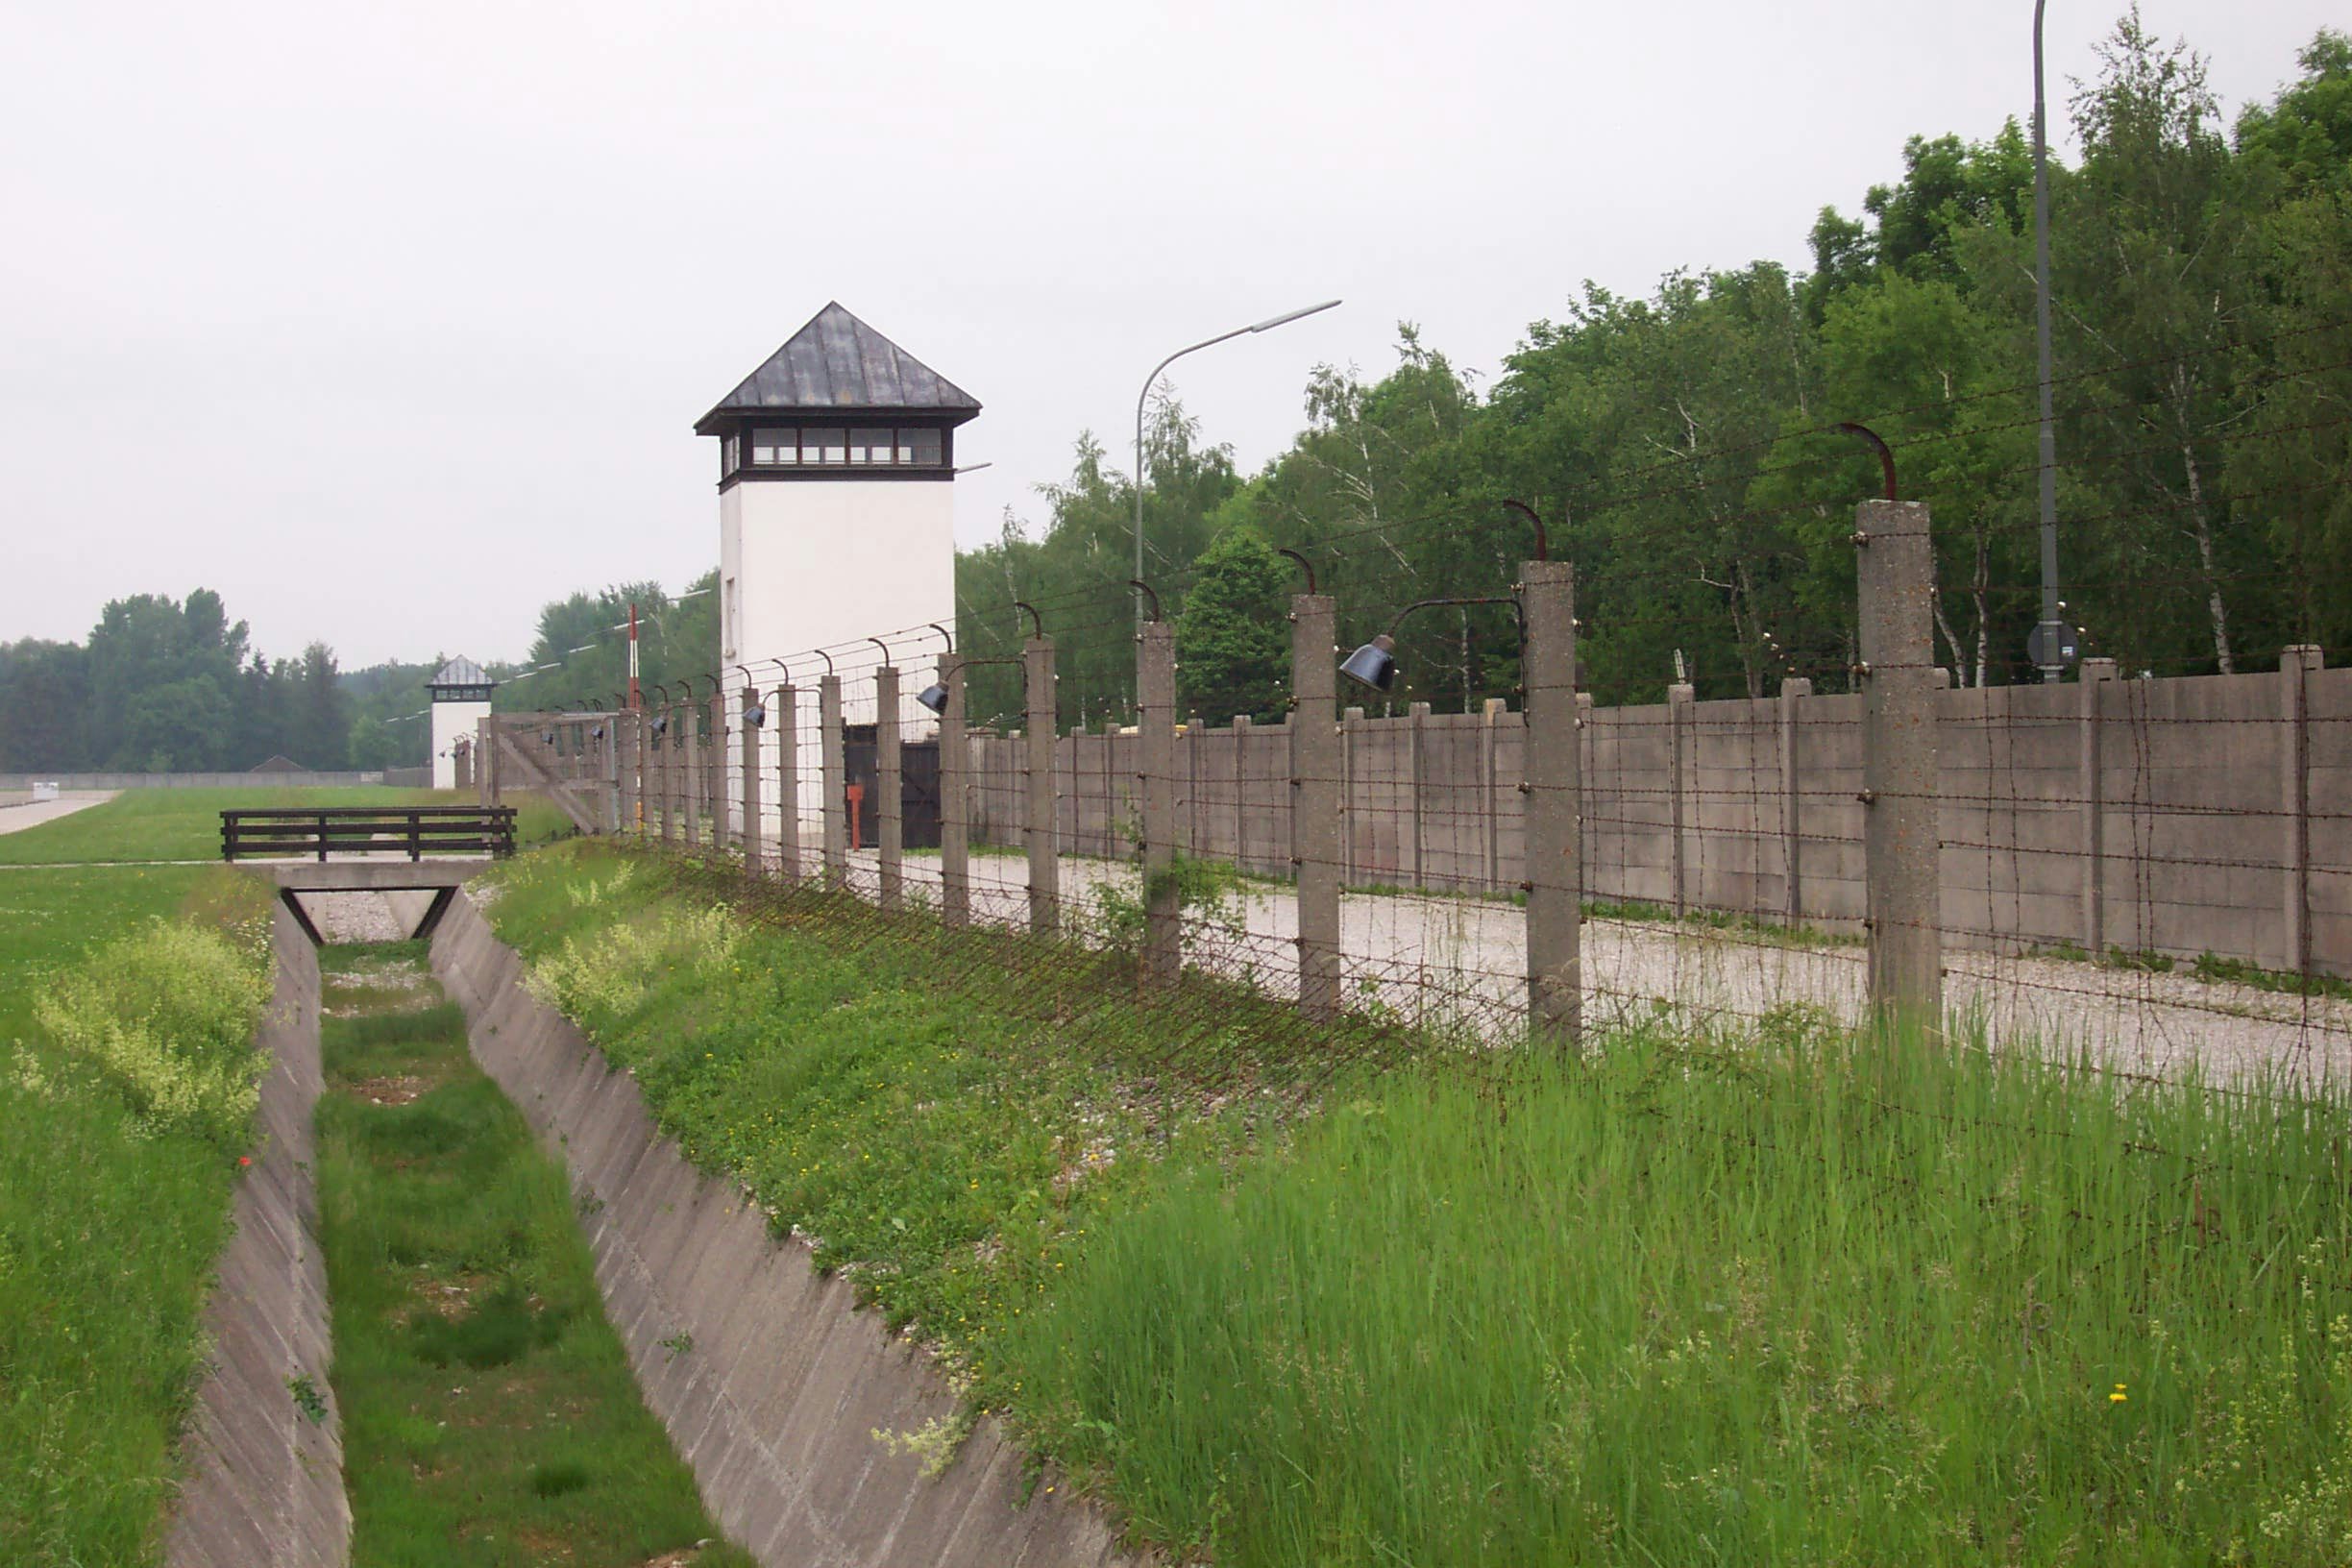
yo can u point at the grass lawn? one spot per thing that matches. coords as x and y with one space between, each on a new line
109 1233
1793 1299
489 1413
185 824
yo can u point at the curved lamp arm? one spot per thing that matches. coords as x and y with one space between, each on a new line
1147 591
1543 545
1037 622
1305 565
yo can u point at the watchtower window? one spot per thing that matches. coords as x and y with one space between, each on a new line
791 445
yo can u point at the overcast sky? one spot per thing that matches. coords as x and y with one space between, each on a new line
390 323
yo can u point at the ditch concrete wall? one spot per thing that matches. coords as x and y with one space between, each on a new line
770 1380
265 1481
2182 816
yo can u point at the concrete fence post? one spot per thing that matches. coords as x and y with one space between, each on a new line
955 797
750 837
784 712
625 781
2092 792
1554 915
1351 725
1038 750
834 802
2298 664
1895 577
890 824
660 743
1416 733
1793 690
715 769
1314 798
1679 769
691 718
1156 790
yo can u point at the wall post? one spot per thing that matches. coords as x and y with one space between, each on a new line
1037 752
1351 725
1156 790
785 713
1490 805
2095 674
2298 664
890 826
1241 727
1314 800
835 799
1793 690
1417 756
1679 767
1588 741
750 837
955 799
1556 969
1895 572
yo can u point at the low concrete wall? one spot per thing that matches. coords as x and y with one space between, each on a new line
264 1483
193 781
776 1403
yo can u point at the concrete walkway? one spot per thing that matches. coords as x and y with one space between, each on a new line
33 813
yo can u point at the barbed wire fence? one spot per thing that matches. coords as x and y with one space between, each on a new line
2143 875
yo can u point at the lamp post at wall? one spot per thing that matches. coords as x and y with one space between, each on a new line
1144 396
2053 640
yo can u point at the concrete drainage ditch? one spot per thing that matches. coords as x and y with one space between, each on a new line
770 1380
264 1453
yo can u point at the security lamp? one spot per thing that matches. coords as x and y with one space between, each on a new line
933 697
549 736
756 714
1374 664
597 733
661 724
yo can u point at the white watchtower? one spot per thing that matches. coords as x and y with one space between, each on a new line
461 692
836 513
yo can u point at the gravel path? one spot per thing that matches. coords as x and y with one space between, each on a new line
1440 958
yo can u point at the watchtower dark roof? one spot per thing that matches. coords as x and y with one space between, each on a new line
839 365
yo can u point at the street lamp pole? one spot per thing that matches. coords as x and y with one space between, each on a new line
1144 396
2053 629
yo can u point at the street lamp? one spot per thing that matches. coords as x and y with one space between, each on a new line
2053 641
1144 396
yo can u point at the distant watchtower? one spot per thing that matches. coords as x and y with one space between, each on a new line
836 506
461 692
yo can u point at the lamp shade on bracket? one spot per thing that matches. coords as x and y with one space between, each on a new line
933 697
1373 665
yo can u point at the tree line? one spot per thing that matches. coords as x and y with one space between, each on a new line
1685 445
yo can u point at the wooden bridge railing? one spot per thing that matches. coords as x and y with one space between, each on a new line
358 830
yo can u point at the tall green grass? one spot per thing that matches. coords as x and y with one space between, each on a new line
111 1215
1794 1298
490 1417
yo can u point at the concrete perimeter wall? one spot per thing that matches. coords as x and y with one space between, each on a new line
263 1484
199 781
2181 816
775 1401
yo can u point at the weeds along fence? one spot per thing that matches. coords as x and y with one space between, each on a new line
2149 862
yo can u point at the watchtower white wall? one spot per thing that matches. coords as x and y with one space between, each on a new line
826 563
450 720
